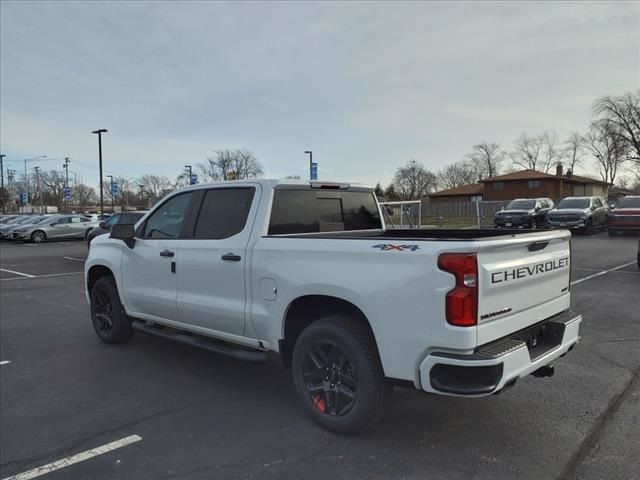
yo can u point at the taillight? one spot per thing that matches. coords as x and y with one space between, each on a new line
461 302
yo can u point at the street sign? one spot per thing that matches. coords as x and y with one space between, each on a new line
194 179
114 189
314 171
24 198
67 193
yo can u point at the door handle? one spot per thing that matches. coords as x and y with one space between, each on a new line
232 257
167 253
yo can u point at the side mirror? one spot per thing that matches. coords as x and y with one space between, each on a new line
593 207
102 225
125 232
537 209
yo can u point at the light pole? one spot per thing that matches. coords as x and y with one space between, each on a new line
38 189
110 177
26 183
141 195
2 181
188 167
66 183
310 153
99 132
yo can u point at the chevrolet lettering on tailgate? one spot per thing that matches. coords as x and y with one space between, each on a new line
530 270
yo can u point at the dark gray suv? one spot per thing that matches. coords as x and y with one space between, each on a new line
524 213
584 213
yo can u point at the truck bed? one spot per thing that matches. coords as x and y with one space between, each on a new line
415 234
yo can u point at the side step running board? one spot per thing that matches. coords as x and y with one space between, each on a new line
217 346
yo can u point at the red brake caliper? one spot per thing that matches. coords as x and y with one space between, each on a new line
318 402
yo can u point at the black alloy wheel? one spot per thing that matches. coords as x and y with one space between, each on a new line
330 379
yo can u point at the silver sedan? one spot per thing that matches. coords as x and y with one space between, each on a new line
61 226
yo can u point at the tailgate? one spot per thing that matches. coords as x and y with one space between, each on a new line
522 280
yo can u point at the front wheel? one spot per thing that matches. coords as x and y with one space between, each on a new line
338 375
533 224
111 323
38 236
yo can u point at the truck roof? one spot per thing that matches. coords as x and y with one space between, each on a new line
272 183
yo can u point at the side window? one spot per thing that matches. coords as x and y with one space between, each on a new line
544 204
63 220
167 220
597 203
83 220
77 220
128 218
223 213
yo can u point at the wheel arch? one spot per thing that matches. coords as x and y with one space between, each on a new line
305 310
95 273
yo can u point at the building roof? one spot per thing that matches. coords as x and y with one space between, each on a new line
463 190
536 175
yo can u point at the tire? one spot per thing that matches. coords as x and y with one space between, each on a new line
353 395
588 229
38 236
111 323
86 234
533 224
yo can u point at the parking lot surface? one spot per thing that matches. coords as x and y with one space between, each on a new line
155 409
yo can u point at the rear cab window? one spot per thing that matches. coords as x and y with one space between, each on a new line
308 210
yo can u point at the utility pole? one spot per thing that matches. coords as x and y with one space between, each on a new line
66 184
188 167
141 195
2 181
110 177
310 153
99 132
38 189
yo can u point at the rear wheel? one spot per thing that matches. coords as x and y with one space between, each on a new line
38 236
338 375
111 323
533 224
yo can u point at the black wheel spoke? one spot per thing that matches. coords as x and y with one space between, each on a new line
329 378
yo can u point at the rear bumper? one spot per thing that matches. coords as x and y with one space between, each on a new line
618 225
498 364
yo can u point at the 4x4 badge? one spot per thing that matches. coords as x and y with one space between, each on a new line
401 248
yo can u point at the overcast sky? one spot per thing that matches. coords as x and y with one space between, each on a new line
366 86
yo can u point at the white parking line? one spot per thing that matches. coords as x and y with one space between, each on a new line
603 272
5 362
75 259
80 457
40 276
17 273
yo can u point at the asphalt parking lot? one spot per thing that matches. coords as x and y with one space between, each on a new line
154 409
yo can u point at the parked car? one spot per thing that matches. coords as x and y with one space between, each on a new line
61 226
6 228
524 213
245 268
105 226
7 218
12 234
584 213
626 215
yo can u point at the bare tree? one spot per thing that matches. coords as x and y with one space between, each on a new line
236 164
52 186
608 149
412 181
84 195
573 150
457 174
551 152
526 153
379 192
156 186
486 160
539 153
623 114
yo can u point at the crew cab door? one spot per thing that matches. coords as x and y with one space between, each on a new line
212 263
148 269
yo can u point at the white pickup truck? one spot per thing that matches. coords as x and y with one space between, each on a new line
309 271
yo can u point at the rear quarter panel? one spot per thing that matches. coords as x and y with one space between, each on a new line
401 292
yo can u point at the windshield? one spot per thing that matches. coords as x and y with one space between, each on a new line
574 203
629 202
521 205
